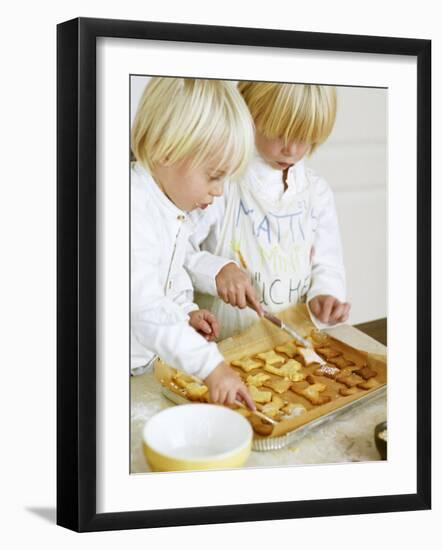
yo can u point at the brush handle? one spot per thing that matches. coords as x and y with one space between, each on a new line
256 413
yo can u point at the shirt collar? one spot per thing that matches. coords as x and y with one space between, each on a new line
162 198
268 175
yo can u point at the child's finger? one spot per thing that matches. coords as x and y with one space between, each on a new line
253 302
345 313
222 396
327 306
315 307
214 394
337 312
231 396
214 325
244 395
241 301
231 297
205 327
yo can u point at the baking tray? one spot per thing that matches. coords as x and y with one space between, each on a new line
263 444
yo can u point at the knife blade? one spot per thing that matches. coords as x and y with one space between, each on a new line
287 328
294 334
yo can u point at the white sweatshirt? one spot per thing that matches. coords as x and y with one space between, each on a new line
161 290
287 241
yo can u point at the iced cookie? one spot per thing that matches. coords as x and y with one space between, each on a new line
327 370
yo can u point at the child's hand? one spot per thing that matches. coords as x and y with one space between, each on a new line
204 323
329 309
225 386
234 287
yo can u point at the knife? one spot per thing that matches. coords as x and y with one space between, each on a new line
294 334
287 328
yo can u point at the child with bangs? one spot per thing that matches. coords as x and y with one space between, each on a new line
277 225
187 136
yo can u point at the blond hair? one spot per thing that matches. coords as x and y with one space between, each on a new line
295 112
192 119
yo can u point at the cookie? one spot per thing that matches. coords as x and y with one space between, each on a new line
290 349
196 391
260 426
366 372
312 394
369 384
291 410
272 408
341 362
271 358
327 370
182 379
327 352
246 364
348 378
260 396
290 370
348 391
257 379
278 385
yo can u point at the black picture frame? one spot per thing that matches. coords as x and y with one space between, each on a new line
77 287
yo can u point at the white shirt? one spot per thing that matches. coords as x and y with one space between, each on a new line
289 240
161 290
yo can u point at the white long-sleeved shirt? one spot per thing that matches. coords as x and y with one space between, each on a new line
161 290
289 240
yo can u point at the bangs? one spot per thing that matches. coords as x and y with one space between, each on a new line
294 112
199 120
228 145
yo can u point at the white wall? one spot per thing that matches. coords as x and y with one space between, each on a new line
354 162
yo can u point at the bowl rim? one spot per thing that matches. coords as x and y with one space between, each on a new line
206 458
380 427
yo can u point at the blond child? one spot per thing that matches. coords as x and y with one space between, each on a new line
278 224
187 136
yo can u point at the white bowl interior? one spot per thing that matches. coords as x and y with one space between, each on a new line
197 432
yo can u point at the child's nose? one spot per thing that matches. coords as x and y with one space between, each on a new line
290 149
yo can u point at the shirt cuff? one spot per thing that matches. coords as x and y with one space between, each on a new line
189 307
208 268
212 361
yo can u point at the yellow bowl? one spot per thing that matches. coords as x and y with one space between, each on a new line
196 437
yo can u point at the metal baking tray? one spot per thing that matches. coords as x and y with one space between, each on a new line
263 444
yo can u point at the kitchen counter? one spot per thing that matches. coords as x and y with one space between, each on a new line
348 438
